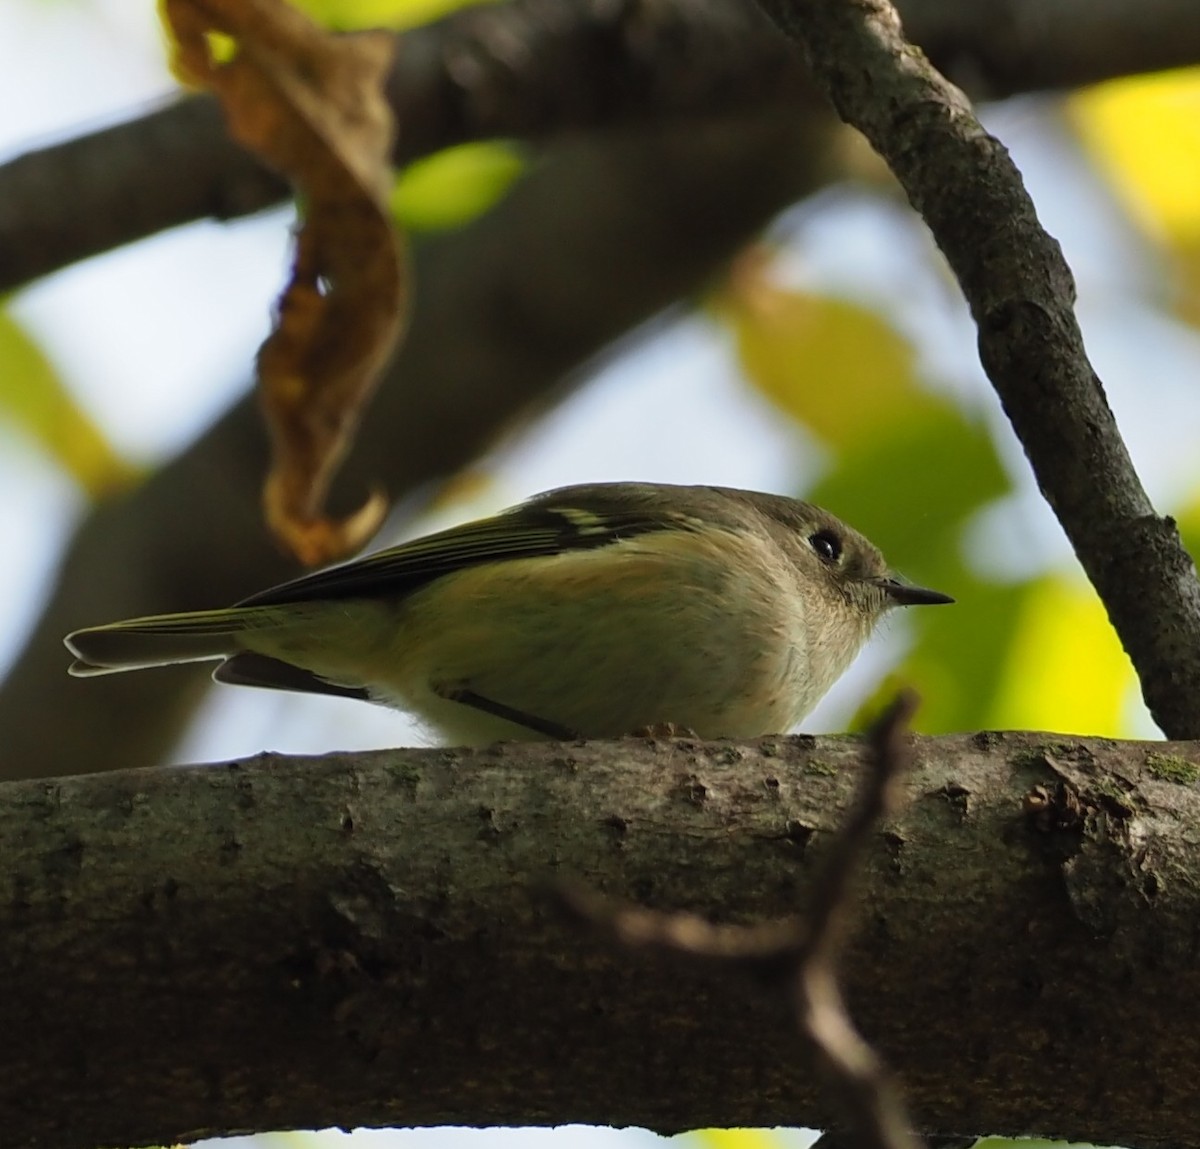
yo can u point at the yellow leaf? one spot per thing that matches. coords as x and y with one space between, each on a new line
33 398
835 366
736 1139
1144 134
1066 670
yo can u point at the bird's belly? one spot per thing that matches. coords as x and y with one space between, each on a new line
600 660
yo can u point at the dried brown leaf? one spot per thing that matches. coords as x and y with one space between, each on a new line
311 105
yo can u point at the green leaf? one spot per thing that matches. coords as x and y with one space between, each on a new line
1036 655
837 367
453 186
1143 136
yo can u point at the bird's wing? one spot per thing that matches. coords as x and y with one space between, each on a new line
572 519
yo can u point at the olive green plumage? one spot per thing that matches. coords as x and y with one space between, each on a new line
592 610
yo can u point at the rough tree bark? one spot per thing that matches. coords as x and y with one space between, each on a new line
357 939
428 428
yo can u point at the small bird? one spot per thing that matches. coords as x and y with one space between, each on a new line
586 612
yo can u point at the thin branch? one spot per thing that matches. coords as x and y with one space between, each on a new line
887 759
1021 294
806 949
871 1104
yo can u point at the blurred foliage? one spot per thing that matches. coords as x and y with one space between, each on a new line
1065 669
34 401
737 1139
1188 519
912 471
838 367
454 186
345 14
1143 134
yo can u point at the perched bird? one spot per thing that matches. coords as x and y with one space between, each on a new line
590 611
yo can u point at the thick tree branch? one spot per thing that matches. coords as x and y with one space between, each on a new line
533 69
799 956
359 929
1021 294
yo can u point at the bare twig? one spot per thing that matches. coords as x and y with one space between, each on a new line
888 758
874 1112
804 950
1021 294
771 948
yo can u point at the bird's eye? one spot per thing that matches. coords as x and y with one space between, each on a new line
827 545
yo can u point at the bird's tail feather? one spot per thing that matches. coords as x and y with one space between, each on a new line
160 640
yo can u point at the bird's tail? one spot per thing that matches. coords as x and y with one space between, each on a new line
160 640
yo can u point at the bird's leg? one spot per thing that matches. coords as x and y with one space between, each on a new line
469 697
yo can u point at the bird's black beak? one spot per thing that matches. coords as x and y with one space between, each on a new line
903 595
